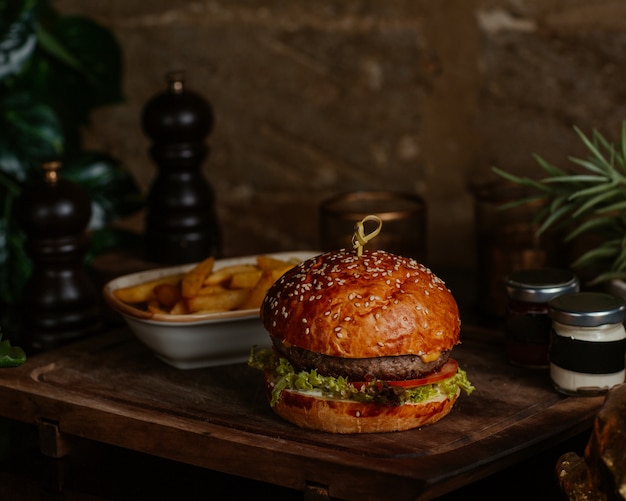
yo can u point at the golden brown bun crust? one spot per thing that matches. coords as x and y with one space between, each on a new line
348 416
375 305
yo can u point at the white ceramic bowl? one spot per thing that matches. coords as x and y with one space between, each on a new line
195 340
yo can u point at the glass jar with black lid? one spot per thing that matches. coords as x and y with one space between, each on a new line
528 323
587 343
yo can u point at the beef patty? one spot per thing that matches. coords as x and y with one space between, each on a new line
361 369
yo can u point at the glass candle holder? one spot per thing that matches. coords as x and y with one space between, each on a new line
403 216
506 241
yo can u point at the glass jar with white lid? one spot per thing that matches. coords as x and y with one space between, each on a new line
587 343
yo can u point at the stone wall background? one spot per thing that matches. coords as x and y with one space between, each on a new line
314 98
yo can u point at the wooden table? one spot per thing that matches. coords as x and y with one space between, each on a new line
112 390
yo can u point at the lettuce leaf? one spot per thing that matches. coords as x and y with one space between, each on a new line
11 356
284 377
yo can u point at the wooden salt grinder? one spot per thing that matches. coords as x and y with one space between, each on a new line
60 303
181 222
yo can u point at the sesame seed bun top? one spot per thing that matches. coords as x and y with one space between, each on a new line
374 305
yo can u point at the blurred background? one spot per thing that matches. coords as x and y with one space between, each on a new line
315 98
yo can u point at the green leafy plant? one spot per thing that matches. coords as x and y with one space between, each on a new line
10 356
54 71
589 199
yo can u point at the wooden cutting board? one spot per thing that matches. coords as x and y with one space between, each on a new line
112 389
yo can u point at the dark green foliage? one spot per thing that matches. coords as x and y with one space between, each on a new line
589 198
54 71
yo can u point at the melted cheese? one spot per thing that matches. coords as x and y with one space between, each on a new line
430 357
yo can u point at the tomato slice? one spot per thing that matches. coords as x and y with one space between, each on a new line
444 372
447 370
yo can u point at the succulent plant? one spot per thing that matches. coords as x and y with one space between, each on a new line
587 199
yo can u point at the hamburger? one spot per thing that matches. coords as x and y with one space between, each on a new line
361 344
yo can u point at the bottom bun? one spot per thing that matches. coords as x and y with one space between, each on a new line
347 416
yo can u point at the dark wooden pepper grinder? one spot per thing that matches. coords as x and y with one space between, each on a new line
181 221
60 302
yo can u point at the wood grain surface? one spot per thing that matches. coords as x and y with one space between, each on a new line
112 389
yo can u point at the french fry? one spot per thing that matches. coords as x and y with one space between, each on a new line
144 292
279 272
180 308
167 295
202 289
245 279
266 263
211 289
225 274
155 307
229 299
194 278
257 294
